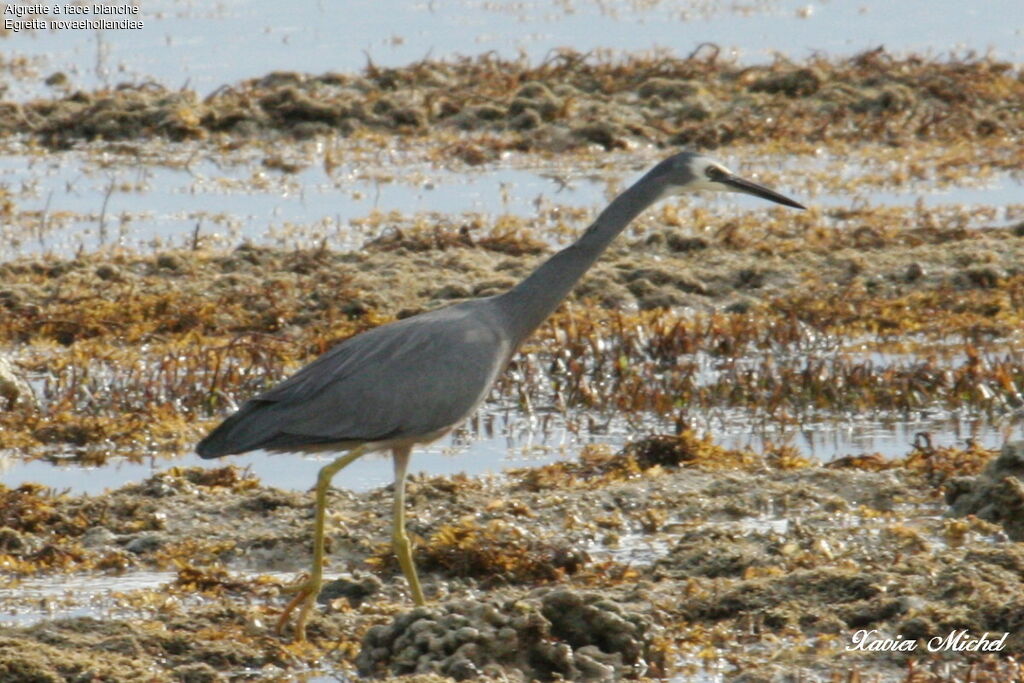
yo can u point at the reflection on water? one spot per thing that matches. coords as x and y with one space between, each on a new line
515 441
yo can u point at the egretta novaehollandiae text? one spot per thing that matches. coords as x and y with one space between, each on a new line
411 382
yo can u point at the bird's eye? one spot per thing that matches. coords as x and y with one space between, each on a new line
714 173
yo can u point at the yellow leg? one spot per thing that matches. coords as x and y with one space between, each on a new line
398 538
307 590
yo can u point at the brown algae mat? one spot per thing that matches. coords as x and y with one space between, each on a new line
569 100
672 558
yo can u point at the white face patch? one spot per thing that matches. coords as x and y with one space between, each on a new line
698 167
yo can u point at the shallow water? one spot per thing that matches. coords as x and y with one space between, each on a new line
519 443
72 596
80 200
206 45
155 202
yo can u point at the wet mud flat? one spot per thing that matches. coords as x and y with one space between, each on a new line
754 566
673 558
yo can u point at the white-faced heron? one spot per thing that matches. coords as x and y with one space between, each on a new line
411 382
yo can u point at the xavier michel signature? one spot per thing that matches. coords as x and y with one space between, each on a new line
954 641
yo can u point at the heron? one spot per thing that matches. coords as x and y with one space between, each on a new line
410 382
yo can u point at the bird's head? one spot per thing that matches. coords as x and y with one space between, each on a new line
691 172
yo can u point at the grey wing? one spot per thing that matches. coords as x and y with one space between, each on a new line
408 379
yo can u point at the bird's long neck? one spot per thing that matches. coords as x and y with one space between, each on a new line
526 305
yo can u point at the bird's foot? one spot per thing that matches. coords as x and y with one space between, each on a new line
306 590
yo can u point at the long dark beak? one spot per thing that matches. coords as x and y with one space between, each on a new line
748 187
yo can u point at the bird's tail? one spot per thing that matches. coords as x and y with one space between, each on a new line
244 431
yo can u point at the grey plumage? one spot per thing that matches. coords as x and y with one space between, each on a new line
412 381
376 387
